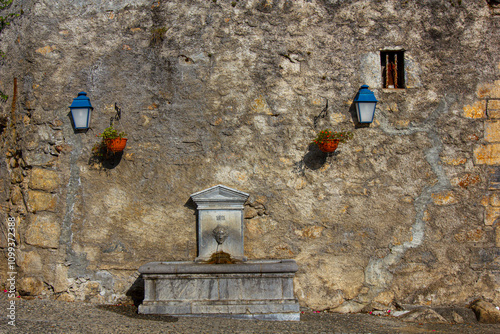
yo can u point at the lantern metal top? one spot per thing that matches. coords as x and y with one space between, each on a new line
365 95
82 101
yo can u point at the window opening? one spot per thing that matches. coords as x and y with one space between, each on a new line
393 64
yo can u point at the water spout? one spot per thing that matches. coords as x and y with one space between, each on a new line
220 234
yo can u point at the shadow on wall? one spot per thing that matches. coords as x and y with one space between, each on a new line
106 159
136 291
315 158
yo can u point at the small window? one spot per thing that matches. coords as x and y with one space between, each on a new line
393 65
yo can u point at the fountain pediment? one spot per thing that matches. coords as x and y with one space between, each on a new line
218 196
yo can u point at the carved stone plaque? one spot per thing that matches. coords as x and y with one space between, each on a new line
220 211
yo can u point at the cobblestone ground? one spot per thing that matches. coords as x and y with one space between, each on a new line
47 316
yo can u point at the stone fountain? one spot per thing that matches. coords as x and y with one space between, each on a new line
221 281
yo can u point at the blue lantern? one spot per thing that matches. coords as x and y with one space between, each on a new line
365 104
81 110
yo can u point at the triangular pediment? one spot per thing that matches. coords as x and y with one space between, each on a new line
220 193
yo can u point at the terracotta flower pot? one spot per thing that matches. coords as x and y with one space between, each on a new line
329 146
116 145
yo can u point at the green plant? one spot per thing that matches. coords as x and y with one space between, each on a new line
5 20
327 135
111 133
158 35
99 149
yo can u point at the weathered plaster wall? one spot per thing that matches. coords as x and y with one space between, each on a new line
229 95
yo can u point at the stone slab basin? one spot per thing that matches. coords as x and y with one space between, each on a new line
257 289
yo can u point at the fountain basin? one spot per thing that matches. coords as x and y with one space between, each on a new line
259 289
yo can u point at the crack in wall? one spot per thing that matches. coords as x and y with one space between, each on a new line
377 273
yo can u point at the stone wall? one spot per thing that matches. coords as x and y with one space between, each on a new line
233 92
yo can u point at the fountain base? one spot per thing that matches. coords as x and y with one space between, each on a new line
249 290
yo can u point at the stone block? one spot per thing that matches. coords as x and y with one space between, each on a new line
493 109
260 106
60 283
41 201
349 306
487 154
311 232
494 199
454 161
16 196
492 131
489 90
476 235
46 49
466 180
43 231
91 290
30 286
44 179
445 198
423 315
66 297
30 262
385 298
289 67
495 92
16 176
486 312
494 178
485 259
477 110
497 236
36 158
491 215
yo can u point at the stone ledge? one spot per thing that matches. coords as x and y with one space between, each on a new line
183 267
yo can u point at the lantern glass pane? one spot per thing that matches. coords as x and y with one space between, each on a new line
81 117
365 112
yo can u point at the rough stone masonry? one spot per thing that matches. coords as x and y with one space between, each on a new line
233 92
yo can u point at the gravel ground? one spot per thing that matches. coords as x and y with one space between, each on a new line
48 316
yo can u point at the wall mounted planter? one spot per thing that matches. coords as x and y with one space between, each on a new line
116 145
329 146
328 140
